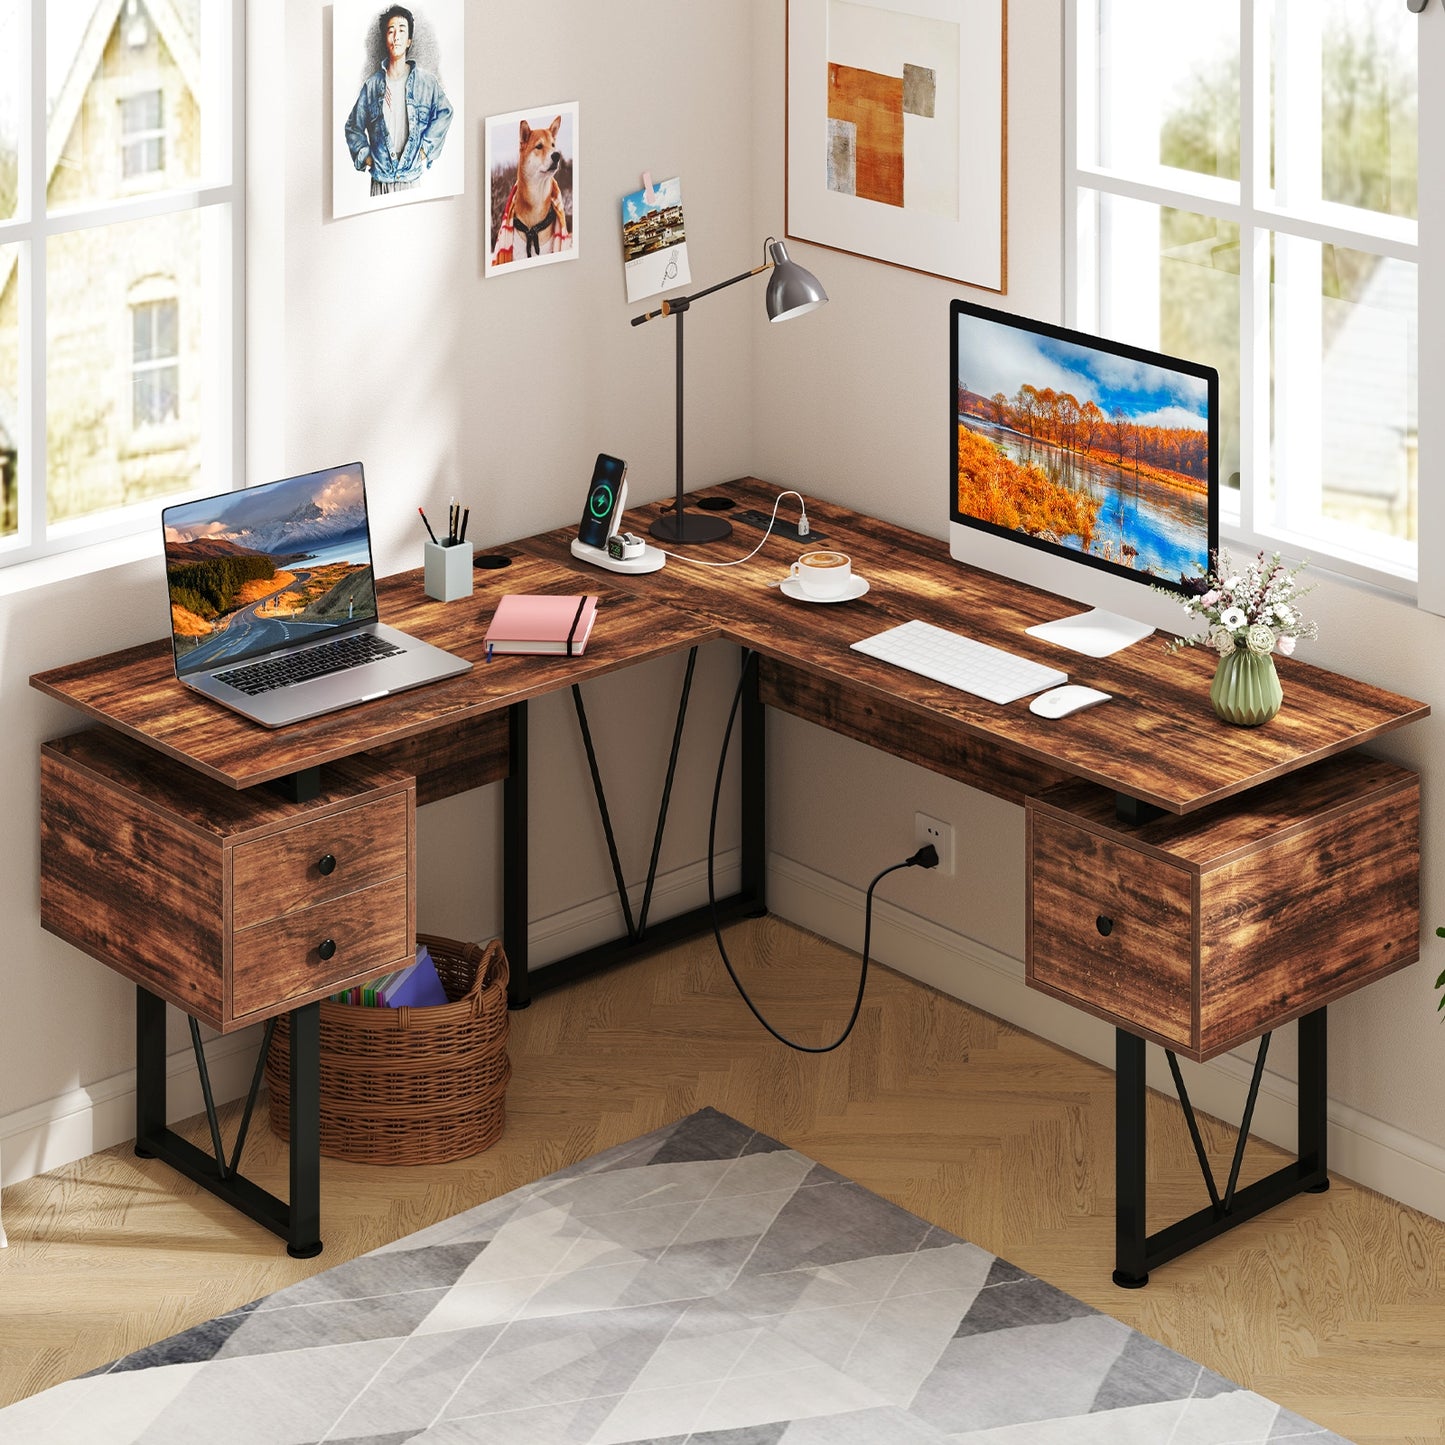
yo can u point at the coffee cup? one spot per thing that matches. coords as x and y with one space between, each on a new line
823 575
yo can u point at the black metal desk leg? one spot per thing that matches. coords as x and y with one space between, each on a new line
1131 1269
514 858
150 1070
297 1222
303 1240
1313 1099
754 880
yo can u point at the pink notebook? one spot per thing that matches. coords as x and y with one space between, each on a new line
524 622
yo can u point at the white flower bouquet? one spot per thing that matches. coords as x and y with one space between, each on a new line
1253 608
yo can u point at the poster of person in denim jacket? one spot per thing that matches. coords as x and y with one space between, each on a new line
395 132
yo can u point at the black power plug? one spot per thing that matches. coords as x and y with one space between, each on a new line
926 857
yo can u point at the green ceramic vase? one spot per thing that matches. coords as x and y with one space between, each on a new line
1246 688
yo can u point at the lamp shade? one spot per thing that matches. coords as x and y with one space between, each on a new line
791 289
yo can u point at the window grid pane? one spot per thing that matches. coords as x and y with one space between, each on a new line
12 72
1169 87
123 102
1369 106
124 383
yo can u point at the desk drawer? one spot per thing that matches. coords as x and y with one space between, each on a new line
217 900
280 962
1203 932
318 861
1111 924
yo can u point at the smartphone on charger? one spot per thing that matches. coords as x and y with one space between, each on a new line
605 494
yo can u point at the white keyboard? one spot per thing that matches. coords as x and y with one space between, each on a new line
961 662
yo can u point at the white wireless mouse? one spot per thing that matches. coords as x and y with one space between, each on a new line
1061 701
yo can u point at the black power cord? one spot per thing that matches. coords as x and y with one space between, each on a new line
925 857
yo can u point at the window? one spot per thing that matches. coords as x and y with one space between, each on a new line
1244 182
155 363
143 136
121 242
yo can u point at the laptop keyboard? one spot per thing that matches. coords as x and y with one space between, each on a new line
354 650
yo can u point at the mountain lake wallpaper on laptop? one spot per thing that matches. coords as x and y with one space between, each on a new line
252 570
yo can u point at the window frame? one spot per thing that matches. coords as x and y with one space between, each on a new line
1261 219
34 225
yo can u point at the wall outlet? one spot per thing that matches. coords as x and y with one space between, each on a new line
940 834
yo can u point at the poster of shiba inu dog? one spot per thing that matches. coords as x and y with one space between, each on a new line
532 173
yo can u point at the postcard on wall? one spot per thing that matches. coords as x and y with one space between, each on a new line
654 240
397 83
532 176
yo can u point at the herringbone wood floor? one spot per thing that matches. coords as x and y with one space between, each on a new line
1333 1305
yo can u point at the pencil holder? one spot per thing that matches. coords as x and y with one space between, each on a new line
447 571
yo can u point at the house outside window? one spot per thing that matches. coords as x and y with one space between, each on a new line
120 265
143 135
1242 180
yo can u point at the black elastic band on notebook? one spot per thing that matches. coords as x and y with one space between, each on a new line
572 631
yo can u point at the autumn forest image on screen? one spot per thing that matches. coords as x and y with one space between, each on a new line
1082 448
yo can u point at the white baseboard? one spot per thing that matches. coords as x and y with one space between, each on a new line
58 1131
61 1130
1366 1150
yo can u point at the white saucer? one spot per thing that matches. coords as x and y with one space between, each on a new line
859 585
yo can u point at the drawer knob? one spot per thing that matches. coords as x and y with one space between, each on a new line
1104 925
326 864
327 949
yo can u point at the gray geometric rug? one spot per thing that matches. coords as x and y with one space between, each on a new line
703 1285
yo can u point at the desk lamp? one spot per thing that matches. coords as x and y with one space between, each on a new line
791 292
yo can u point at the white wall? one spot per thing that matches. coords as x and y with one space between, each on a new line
510 386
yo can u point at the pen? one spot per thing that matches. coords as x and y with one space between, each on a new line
427 525
462 535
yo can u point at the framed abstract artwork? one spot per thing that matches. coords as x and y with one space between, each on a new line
897 133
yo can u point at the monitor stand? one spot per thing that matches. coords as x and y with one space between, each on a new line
1095 633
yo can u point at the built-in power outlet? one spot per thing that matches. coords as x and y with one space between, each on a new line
940 834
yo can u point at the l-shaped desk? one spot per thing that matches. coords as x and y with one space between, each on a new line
1196 885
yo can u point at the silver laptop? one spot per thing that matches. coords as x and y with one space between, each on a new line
273 601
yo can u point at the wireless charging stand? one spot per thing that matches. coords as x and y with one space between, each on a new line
650 560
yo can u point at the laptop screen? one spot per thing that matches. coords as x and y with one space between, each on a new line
269 567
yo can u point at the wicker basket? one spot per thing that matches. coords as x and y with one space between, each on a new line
410 1085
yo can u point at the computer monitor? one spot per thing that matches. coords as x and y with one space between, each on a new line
1080 465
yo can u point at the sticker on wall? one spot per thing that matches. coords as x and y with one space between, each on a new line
532 173
397 83
654 240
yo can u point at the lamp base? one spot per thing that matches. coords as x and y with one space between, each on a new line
687 527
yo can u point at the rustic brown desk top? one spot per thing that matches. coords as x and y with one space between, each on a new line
1158 740
136 690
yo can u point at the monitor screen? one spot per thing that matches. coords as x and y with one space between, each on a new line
1089 450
